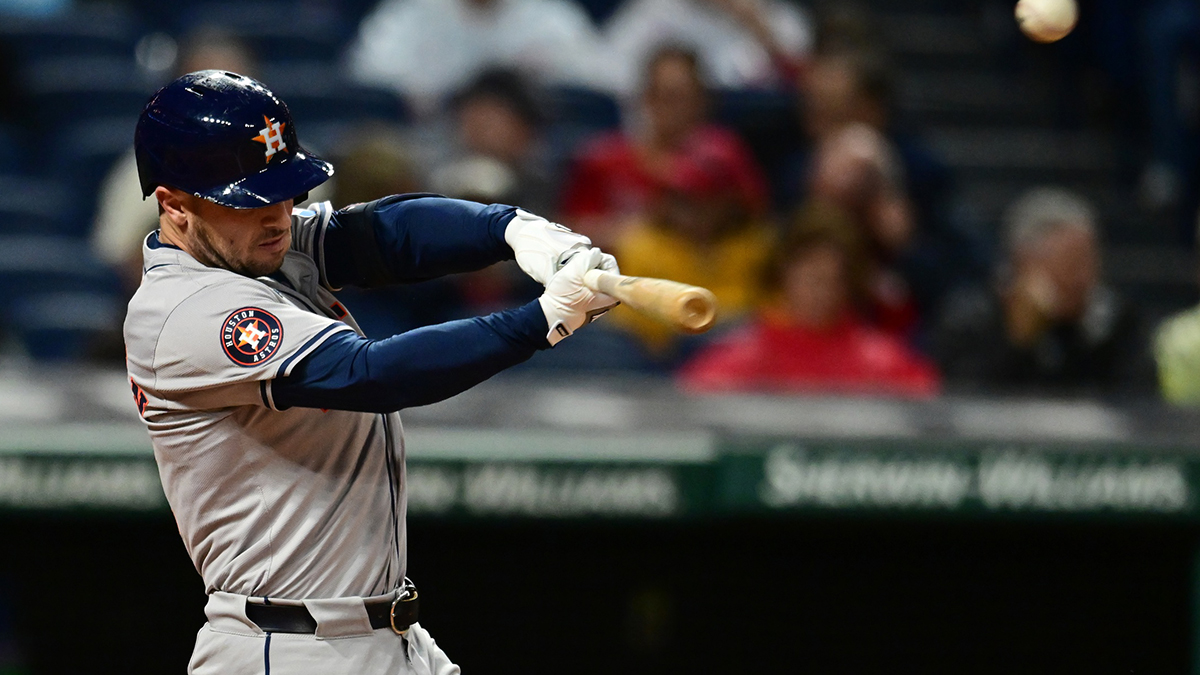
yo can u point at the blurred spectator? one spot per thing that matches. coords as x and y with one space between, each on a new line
740 43
701 230
857 171
427 49
857 87
849 87
614 176
1050 324
810 337
498 117
373 161
1177 353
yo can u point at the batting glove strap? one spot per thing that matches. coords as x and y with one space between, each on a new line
539 245
567 303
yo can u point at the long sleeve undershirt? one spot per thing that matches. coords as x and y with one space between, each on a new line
413 239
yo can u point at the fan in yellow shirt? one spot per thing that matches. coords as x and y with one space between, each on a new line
700 230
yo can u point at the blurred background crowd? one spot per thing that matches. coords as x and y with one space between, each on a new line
900 198
896 198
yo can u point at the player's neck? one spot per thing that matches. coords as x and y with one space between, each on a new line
167 234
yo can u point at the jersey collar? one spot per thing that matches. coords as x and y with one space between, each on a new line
154 242
157 253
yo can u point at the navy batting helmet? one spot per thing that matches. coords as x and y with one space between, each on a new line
226 138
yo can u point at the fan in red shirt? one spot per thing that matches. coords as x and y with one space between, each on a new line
615 176
811 339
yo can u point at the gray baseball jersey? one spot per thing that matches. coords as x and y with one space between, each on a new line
298 503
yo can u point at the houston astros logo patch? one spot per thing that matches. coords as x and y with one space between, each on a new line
251 336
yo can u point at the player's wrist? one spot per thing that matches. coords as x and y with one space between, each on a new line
558 320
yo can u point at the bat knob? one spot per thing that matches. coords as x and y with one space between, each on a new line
699 310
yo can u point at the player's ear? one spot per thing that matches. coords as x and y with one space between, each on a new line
170 205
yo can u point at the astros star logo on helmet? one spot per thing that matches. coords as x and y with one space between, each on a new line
272 137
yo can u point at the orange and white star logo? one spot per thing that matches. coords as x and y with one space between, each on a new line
251 334
272 137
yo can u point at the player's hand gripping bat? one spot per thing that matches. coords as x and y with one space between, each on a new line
691 309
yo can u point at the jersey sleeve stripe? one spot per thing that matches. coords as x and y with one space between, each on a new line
264 390
285 368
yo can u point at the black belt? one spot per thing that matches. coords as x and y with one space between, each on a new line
397 614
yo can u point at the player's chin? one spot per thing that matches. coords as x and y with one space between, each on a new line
264 263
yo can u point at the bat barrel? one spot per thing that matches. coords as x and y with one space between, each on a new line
691 309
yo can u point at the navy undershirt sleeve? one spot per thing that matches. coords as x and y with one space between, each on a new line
408 238
419 367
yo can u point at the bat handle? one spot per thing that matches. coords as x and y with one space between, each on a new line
601 281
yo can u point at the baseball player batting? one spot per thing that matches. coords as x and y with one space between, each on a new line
273 418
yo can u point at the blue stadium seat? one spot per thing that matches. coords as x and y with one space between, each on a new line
58 297
99 30
48 264
82 155
13 148
340 102
65 91
583 106
37 206
275 31
741 108
65 325
577 114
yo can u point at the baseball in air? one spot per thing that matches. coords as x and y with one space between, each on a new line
1047 20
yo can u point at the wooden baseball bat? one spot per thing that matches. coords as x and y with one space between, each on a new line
691 309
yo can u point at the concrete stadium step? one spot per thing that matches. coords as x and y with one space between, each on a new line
939 41
1036 152
989 197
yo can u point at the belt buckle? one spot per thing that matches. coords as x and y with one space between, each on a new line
407 593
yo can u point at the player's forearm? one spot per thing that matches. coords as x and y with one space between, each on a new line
422 366
412 238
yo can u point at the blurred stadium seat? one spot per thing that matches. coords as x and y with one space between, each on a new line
67 90
577 114
64 325
81 156
35 206
92 30
320 95
58 296
275 31
585 107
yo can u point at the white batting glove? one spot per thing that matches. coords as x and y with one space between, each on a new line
540 246
567 303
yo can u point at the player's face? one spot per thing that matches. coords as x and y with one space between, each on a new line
251 242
